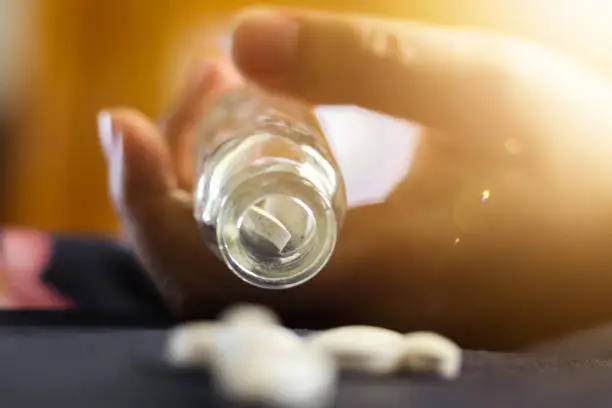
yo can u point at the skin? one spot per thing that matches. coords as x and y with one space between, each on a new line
530 127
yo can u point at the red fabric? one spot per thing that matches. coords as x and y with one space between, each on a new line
24 256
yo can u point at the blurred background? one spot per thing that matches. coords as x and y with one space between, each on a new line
63 60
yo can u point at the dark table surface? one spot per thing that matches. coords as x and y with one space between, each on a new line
65 360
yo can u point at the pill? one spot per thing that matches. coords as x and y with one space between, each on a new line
431 353
365 349
190 345
273 366
245 313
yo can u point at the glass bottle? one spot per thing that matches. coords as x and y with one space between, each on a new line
269 197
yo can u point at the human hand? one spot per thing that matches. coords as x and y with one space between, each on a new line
497 237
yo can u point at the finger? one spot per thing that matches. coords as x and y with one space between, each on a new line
139 164
437 76
179 125
157 218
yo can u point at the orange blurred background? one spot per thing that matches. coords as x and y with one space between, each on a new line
67 59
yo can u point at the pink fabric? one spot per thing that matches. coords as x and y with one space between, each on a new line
24 256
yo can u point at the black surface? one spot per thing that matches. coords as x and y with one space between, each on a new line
103 276
106 365
109 353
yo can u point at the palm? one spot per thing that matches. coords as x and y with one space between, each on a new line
483 241
497 236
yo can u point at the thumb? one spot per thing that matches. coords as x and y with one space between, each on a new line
139 164
440 77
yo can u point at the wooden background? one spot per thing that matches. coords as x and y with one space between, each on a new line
90 54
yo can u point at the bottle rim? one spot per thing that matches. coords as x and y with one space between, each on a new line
276 274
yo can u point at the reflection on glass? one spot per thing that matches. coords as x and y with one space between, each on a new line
269 196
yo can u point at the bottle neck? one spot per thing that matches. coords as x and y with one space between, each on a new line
276 229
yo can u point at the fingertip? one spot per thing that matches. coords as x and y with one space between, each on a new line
208 79
128 120
219 73
210 73
264 42
209 76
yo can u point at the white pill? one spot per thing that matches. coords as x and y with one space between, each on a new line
262 225
191 345
365 349
271 365
245 313
307 379
430 353
236 345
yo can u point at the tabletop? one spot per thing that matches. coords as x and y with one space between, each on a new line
71 359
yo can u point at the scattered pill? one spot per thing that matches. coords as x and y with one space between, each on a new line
271 365
430 353
190 345
245 313
365 349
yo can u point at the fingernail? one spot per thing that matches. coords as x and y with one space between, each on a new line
106 133
264 42
111 140
116 168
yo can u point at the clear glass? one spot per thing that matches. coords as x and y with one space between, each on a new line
269 196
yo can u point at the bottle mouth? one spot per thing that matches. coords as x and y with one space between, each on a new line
276 230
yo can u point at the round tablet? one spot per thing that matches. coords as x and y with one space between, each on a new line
365 349
190 345
237 344
244 313
307 379
271 365
431 353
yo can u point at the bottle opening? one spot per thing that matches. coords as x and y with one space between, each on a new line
276 230
277 226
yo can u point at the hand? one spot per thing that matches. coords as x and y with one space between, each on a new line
498 236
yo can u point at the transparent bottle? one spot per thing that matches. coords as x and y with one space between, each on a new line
269 197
